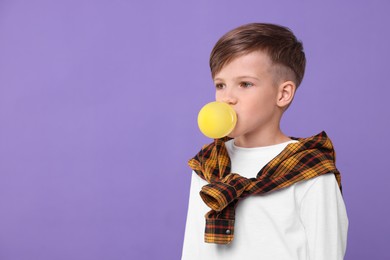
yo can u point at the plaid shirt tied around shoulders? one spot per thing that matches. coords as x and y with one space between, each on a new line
302 160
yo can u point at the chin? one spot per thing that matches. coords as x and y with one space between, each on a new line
233 134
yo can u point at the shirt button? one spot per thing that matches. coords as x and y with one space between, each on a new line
227 231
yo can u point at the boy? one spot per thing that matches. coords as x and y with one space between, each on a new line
263 194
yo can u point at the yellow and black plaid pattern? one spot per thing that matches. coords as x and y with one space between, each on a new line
305 159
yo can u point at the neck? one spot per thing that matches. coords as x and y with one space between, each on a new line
261 138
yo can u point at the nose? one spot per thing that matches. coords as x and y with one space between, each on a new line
227 97
230 100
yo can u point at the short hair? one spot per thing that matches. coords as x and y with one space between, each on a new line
278 42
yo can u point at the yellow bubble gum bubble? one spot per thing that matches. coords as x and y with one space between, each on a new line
217 119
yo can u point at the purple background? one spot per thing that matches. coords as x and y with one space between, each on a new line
98 106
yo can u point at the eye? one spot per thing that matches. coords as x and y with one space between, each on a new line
246 84
219 86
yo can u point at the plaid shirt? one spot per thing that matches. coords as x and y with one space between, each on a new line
305 159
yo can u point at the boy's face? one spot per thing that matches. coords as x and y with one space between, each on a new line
248 84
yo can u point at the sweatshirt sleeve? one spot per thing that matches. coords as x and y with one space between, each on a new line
325 219
195 223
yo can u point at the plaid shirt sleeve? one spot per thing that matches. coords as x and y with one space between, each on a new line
220 225
220 194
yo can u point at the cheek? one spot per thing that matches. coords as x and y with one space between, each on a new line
249 109
259 107
217 96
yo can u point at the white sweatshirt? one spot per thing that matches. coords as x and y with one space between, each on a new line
306 221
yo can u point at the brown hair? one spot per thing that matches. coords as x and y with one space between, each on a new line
277 41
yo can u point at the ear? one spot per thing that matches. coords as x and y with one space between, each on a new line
286 92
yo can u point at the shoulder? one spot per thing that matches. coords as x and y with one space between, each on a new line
326 181
324 190
317 186
216 144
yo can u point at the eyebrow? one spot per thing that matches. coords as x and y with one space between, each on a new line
238 78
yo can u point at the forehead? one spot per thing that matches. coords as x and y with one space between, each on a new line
256 62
